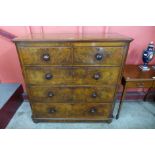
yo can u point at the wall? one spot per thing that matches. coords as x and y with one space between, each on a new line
9 64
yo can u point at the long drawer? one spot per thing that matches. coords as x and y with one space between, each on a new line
85 111
72 94
72 75
71 56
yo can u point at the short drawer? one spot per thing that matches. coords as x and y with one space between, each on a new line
46 56
98 55
139 84
72 75
89 111
72 94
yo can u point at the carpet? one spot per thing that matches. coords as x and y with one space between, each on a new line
134 115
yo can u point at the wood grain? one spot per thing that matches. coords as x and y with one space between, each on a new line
42 110
72 94
57 55
87 55
70 77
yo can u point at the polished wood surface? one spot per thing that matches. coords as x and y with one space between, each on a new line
61 110
90 56
72 94
74 37
139 84
134 77
46 56
133 72
72 44
72 56
70 77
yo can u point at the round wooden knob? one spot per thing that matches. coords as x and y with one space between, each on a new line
96 76
52 110
99 56
50 94
46 57
48 76
93 110
94 95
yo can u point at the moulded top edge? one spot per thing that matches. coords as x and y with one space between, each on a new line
65 37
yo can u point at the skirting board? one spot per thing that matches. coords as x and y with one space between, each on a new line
10 107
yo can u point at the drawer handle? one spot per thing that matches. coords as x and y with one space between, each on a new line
99 56
96 76
50 94
93 110
46 57
94 95
51 110
48 76
140 84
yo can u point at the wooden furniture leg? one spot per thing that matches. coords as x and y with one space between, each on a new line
145 97
121 101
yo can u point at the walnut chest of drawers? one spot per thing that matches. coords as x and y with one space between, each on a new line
72 77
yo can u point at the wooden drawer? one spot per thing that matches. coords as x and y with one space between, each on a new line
46 56
71 94
85 111
140 84
98 55
72 75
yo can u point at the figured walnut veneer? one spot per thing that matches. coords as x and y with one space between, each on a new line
72 77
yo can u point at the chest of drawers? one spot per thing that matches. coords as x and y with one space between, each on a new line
71 77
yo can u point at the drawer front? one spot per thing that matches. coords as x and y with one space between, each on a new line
72 94
49 75
98 55
96 75
46 56
140 84
54 110
72 75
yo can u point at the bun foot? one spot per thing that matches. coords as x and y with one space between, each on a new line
34 120
109 121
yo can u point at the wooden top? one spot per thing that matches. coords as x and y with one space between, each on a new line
74 37
134 73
